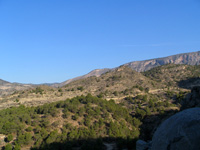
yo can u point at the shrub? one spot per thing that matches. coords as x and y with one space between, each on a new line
9 138
8 147
80 88
17 147
29 129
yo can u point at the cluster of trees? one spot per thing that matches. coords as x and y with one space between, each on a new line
38 90
148 104
75 122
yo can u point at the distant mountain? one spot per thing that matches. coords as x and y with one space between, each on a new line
7 88
2 82
141 66
114 84
96 73
186 58
120 79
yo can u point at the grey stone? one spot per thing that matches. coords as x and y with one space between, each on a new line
141 145
179 132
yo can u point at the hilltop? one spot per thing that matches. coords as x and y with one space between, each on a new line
193 59
7 88
141 66
185 58
115 84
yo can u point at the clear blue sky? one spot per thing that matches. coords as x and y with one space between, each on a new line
55 40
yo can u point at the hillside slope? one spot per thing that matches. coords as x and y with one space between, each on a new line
186 58
115 84
184 76
96 73
141 66
7 88
118 80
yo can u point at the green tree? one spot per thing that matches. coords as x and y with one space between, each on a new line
75 117
10 137
28 138
148 112
136 122
80 88
29 129
59 90
87 121
140 113
151 103
52 137
17 147
8 147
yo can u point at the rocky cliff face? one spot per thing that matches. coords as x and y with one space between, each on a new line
186 58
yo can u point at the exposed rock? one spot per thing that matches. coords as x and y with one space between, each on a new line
186 58
141 66
179 132
151 123
142 145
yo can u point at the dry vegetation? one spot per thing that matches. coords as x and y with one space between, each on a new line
135 99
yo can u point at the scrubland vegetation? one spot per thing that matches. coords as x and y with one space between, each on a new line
126 106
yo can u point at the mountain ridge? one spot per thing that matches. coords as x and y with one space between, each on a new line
139 66
7 88
183 58
145 65
122 96
96 72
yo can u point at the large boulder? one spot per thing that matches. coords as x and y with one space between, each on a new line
179 132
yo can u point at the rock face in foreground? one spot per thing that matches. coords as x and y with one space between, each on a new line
179 132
